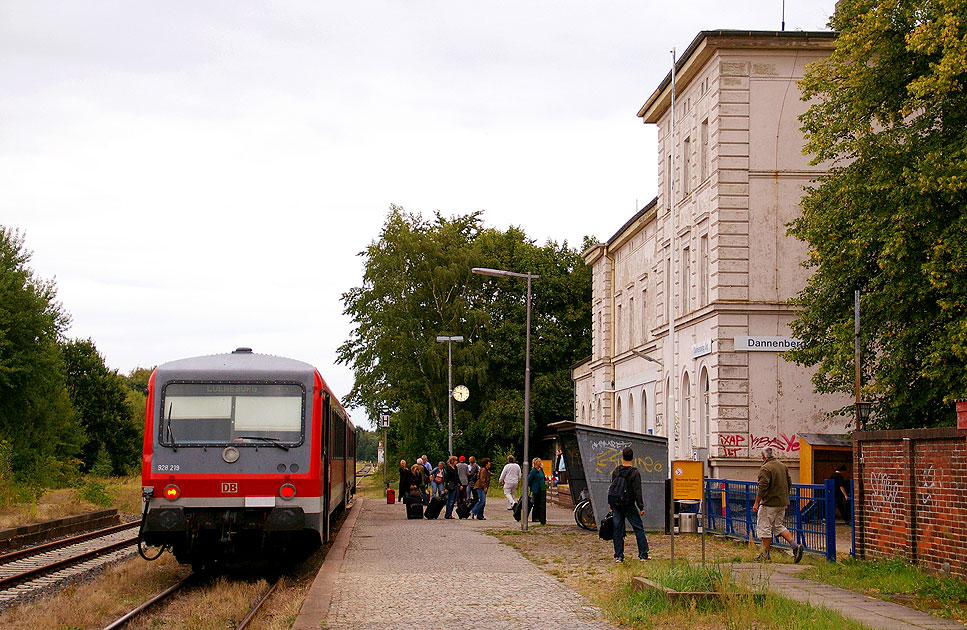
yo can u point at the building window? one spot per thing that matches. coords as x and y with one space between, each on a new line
668 289
668 184
686 161
632 342
631 413
686 280
618 328
647 421
688 431
644 315
618 420
704 157
703 278
704 428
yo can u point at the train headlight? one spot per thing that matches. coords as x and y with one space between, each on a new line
287 491
171 492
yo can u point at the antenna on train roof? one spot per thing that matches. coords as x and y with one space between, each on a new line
242 350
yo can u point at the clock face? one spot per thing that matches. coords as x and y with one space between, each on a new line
461 393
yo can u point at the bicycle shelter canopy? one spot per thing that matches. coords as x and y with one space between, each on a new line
592 453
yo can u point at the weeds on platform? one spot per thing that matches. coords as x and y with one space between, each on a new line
897 580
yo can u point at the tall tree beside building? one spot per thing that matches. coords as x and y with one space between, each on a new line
417 285
36 416
890 217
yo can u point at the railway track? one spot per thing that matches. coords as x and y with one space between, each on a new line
35 568
365 471
180 586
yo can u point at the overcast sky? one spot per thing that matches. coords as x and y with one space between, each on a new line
199 176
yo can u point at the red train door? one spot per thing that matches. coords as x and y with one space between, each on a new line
326 461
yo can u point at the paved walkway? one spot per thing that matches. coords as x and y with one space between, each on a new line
386 572
870 611
400 573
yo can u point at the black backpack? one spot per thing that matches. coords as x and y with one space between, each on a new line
619 492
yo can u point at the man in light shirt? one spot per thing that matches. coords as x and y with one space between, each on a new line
510 479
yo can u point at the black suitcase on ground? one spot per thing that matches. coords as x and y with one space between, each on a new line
414 510
463 509
436 505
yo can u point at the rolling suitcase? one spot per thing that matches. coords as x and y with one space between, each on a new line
414 510
463 509
436 505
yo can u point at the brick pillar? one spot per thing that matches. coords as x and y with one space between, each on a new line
911 497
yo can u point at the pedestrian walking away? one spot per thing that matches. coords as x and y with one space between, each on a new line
464 478
537 485
405 475
771 501
473 471
451 483
421 479
625 500
509 479
842 493
480 488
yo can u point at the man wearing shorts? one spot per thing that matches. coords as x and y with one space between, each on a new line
770 505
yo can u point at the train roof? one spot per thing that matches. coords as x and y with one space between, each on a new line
242 364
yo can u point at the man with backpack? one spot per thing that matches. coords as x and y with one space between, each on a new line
624 497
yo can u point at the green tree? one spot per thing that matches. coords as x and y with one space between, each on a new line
36 416
101 397
417 285
889 114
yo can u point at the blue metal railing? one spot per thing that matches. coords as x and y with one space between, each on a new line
810 517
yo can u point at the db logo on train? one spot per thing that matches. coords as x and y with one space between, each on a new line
229 488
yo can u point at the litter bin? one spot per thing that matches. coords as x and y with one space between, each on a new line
688 523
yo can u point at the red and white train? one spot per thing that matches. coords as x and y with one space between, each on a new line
245 455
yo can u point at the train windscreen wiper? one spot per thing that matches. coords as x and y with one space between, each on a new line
271 440
171 435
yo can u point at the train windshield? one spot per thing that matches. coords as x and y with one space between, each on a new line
202 414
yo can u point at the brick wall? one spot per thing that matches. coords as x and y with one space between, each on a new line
911 498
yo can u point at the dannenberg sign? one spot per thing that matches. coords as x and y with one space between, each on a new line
766 344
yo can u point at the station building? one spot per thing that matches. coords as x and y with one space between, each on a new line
733 174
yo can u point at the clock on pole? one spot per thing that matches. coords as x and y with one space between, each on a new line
461 393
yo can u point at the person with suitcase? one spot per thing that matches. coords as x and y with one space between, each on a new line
537 484
451 483
436 481
624 498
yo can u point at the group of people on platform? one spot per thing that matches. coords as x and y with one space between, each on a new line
463 479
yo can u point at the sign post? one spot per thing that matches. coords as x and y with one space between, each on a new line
688 479
384 424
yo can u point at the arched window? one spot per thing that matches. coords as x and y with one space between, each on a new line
705 428
617 413
647 423
688 431
631 413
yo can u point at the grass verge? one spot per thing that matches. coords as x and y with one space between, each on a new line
92 493
584 562
899 581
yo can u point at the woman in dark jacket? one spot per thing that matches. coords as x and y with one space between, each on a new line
480 489
451 483
405 477
537 484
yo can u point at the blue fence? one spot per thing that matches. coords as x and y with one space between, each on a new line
810 517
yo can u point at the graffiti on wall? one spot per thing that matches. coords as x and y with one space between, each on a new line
930 484
885 488
730 444
611 458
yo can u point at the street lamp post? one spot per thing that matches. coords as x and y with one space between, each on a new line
449 341
500 273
